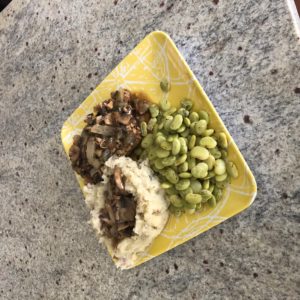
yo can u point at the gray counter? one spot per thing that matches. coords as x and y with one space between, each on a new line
53 53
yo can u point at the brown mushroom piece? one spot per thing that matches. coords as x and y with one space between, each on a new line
122 118
76 140
108 104
141 106
90 153
103 130
89 119
118 179
108 119
74 153
122 95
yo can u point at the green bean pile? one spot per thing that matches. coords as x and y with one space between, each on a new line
189 158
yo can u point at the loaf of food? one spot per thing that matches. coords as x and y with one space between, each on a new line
128 209
128 206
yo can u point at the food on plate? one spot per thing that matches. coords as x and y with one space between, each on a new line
128 208
139 161
187 155
112 129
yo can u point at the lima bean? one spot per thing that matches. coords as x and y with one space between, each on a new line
166 145
200 127
154 110
168 161
147 141
169 112
171 175
167 123
193 198
176 122
205 194
205 184
217 193
210 161
208 142
194 117
200 170
185 175
159 139
220 167
203 115
181 129
172 137
183 193
189 205
196 186
158 164
171 191
182 184
232 169
176 201
176 146
220 178
191 162
165 185
215 153
192 142
199 153
222 140
182 111
187 122
143 128
151 123
185 133
183 167
212 201
161 153
208 132
176 211
180 160
165 104
186 104
183 145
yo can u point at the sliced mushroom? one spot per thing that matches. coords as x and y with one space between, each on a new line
125 225
110 212
90 153
103 130
108 104
118 178
122 118
108 119
99 119
98 152
125 95
76 139
145 117
74 153
141 106
89 119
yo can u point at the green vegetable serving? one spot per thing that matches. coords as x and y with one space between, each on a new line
189 158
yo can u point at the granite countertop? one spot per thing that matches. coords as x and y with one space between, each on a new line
246 54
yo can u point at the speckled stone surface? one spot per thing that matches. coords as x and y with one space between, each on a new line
53 53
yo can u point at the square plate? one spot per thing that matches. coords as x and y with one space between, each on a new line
153 59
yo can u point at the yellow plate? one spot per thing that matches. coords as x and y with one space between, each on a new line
153 59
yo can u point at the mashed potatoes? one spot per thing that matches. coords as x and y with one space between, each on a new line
151 210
